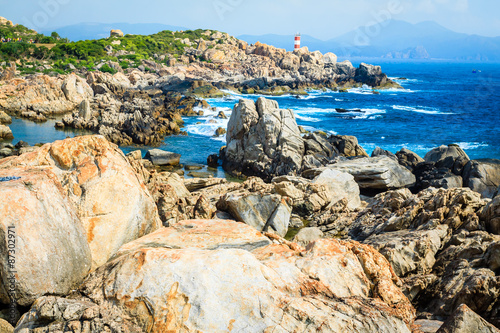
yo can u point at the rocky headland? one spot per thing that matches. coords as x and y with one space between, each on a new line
141 103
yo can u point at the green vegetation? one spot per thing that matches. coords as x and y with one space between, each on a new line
63 56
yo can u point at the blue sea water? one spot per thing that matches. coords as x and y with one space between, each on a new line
441 103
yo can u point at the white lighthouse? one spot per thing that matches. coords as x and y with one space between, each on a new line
297 41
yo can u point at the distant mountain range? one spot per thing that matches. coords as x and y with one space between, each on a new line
391 39
397 40
86 31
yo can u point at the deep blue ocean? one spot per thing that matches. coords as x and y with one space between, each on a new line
441 103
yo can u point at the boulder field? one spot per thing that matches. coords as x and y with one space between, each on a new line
106 243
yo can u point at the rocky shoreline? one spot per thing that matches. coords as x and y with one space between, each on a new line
306 245
316 237
142 105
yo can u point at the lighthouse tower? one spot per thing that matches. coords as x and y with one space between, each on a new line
297 41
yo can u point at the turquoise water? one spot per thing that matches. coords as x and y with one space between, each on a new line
441 103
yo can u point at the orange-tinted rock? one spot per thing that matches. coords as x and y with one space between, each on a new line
332 286
50 250
108 197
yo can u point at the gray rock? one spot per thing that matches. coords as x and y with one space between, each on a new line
4 152
381 152
263 140
410 251
340 185
442 152
408 159
483 176
261 212
428 326
491 215
84 111
307 235
464 320
378 173
162 157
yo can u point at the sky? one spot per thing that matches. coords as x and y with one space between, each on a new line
323 19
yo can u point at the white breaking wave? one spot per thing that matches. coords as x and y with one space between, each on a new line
472 145
420 109
305 118
368 113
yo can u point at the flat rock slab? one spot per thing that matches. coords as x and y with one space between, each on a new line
378 173
201 234
162 157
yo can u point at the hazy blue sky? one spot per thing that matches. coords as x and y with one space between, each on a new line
323 19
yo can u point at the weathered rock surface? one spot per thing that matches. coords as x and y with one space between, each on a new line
5 132
260 211
5 327
332 286
491 216
5 118
465 320
483 176
377 173
43 94
440 153
50 254
307 235
114 206
263 140
408 159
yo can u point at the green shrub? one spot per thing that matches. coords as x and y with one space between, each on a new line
107 69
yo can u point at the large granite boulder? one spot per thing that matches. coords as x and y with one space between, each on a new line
76 89
263 140
339 185
375 173
371 75
114 206
440 153
483 176
332 286
260 211
408 159
50 254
